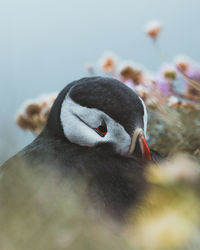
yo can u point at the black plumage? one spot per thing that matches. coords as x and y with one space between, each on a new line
116 181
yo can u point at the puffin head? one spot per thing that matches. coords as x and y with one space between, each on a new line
99 111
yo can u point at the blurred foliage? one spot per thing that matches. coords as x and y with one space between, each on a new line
169 219
175 130
41 210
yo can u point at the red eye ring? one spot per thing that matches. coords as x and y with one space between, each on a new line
102 129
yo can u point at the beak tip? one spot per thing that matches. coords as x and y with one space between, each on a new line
146 153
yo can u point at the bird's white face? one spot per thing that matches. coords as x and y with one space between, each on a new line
90 127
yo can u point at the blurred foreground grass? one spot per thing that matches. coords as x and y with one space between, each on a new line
175 130
41 210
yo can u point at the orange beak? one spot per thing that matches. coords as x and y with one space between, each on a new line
139 135
146 153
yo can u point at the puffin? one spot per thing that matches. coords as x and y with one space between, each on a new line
96 131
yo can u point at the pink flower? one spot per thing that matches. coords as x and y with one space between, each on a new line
130 71
129 84
108 62
188 67
169 71
153 29
163 84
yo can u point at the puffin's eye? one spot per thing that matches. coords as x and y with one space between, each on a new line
102 129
